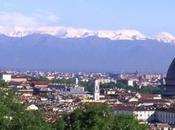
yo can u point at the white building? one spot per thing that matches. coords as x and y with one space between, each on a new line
130 83
141 113
32 107
50 77
106 80
161 126
76 82
145 115
7 77
110 92
97 90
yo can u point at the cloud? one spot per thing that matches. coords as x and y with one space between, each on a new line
16 19
46 19
17 24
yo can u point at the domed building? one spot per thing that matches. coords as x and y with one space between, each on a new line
169 88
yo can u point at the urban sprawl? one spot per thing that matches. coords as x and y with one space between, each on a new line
128 93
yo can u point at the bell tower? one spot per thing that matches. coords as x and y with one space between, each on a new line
97 90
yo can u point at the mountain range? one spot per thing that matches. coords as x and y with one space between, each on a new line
88 51
69 32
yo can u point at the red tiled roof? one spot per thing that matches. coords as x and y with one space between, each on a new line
40 82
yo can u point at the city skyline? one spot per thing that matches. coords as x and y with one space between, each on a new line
87 65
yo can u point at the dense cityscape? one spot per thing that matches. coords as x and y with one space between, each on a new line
56 93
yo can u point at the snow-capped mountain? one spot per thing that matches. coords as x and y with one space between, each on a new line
165 37
122 35
40 51
63 32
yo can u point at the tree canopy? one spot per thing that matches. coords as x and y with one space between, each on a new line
14 116
143 89
98 117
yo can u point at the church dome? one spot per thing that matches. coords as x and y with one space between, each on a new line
171 71
169 88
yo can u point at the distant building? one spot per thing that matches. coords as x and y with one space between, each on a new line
32 107
97 90
143 114
130 83
161 126
76 82
106 80
19 79
148 114
166 116
50 77
40 84
7 77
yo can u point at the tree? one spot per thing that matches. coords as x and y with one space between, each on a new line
143 89
89 85
64 81
40 79
127 122
14 116
3 83
98 117
60 125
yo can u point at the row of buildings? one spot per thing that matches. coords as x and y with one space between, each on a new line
57 98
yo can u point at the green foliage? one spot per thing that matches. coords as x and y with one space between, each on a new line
3 83
40 79
60 125
88 86
143 89
127 122
13 115
108 85
98 117
64 81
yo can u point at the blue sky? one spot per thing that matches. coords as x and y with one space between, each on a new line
148 16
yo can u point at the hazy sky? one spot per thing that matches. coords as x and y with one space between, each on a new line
148 16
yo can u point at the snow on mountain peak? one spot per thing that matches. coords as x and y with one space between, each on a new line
75 33
165 37
122 35
69 32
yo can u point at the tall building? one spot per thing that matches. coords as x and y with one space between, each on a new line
76 82
169 87
97 90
